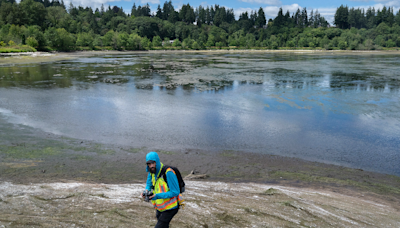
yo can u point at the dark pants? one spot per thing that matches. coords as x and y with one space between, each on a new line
164 218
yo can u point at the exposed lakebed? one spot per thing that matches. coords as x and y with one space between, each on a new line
340 109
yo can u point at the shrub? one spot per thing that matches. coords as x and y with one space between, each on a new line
176 43
32 42
157 42
290 43
390 43
342 45
195 46
145 43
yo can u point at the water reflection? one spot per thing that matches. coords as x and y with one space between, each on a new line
337 109
212 73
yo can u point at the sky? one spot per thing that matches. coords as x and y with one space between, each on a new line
271 7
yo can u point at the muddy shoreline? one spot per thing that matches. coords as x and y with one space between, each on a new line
30 155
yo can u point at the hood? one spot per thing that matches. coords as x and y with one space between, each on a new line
153 156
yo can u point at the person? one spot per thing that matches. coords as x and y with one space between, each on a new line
166 198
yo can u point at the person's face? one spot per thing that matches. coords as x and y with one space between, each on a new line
152 167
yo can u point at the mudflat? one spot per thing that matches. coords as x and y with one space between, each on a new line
48 180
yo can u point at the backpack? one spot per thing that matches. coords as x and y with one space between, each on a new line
178 175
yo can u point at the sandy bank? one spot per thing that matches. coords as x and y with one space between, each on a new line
208 204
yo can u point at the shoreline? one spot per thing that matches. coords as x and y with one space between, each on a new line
30 155
50 180
300 51
7 59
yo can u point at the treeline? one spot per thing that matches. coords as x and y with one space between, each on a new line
50 25
346 18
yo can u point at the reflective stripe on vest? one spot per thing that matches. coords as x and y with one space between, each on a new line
161 186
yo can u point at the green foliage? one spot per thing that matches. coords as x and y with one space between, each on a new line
210 41
108 38
60 39
134 42
145 43
16 48
166 42
57 16
195 46
52 26
35 32
85 39
31 41
176 43
157 42
342 45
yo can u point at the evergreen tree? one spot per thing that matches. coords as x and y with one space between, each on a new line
311 20
370 18
342 17
133 10
260 21
168 10
159 12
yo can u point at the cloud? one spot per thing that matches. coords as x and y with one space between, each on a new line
239 11
272 11
265 2
327 13
150 1
90 3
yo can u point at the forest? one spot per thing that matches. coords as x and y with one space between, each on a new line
45 25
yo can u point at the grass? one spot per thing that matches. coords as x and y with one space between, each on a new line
270 192
23 152
17 48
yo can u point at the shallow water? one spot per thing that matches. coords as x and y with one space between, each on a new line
340 109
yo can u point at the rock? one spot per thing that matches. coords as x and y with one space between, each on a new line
195 176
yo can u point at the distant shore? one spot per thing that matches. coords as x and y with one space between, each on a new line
74 53
41 57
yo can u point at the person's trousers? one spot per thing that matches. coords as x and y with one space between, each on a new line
165 217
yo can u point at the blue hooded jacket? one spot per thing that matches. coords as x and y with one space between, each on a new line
173 184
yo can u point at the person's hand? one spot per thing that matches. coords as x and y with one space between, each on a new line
151 197
141 195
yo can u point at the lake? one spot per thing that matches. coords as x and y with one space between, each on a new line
340 109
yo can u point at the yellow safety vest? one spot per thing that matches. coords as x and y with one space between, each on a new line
161 186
